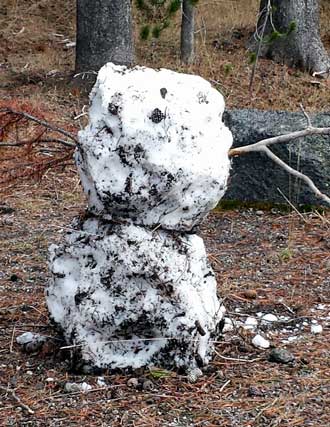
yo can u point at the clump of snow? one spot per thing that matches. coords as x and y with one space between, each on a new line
194 374
316 329
76 387
155 149
260 342
31 342
101 382
269 317
26 337
129 297
250 323
228 325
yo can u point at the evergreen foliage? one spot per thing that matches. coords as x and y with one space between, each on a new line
158 14
275 34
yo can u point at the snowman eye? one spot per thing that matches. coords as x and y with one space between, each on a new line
163 92
157 116
113 109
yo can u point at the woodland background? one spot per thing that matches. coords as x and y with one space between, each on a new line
266 259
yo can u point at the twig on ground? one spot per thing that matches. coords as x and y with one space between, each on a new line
224 386
292 205
60 141
14 396
265 408
321 73
233 359
288 308
12 341
84 73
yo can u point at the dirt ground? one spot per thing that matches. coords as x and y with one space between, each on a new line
266 260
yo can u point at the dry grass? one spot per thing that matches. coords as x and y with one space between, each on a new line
31 38
31 34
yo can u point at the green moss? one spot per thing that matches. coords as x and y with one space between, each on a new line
228 205
285 254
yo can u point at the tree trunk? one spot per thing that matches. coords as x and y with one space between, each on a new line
104 34
187 32
302 47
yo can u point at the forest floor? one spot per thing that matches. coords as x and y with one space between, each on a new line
266 261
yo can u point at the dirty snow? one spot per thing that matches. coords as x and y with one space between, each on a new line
155 149
128 287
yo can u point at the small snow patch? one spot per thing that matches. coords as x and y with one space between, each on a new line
269 317
316 329
75 387
228 326
250 323
260 342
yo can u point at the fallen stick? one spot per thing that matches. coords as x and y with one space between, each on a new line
14 396
262 147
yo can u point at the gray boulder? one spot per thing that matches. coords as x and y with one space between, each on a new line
254 177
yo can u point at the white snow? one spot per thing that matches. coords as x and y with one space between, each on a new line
269 317
194 374
29 337
228 326
101 382
75 387
250 323
155 149
293 338
137 292
129 286
25 338
260 342
316 329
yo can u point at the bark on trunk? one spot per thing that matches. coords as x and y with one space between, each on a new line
187 32
302 48
104 34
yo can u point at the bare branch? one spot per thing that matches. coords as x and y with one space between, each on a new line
262 146
298 174
13 144
263 29
321 73
234 359
258 146
309 123
40 122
